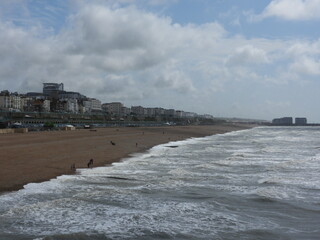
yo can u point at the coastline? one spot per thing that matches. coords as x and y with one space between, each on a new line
40 156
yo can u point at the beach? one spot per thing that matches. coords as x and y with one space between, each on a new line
40 156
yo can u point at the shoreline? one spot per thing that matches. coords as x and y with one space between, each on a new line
40 156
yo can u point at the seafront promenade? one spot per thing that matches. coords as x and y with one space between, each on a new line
40 156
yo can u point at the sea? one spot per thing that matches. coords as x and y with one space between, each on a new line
260 183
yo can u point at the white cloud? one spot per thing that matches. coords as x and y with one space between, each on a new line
306 66
292 10
119 39
161 2
173 78
304 48
305 58
247 55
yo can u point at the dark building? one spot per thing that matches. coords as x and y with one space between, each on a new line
5 93
301 121
3 123
52 89
71 95
34 94
285 121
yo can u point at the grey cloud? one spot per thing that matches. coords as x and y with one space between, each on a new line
98 41
114 84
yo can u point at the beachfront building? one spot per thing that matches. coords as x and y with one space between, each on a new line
46 105
159 111
301 121
150 112
170 113
15 102
71 95
52 89
92 105
180 114
283 121
125 111
11 102
34 95
113 108
190 115
82 109
4 93
4 102
70 105
138 110
26 104
40 105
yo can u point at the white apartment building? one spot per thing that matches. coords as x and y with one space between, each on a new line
190 115
26 103
92 104
46 105
10 102
71 105
82 109
159 111
125 111
4 102
16 102
151 112
138 110
180 114
170 112
113 108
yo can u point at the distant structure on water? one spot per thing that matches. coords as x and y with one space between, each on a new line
301 121
288 121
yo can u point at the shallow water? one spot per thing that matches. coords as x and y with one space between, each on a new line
261 183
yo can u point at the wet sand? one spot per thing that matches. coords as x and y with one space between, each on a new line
41 156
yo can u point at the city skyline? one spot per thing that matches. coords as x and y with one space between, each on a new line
254 59
54 98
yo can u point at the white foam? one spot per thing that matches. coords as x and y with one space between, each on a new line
179 172
272 193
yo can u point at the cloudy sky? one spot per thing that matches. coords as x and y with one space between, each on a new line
229 58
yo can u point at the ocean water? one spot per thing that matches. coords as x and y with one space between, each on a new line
261 183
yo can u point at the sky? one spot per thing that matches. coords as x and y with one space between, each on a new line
229 58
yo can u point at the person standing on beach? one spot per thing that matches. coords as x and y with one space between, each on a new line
90 163
73 167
